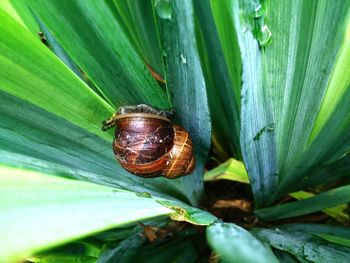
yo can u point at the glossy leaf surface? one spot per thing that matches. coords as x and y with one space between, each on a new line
58 210
304 245
97 43
185 81
235 244
286 88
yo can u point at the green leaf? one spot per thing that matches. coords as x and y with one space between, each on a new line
336 240
324 173
139 20
257 135
220 59
235 171
185 80
334 234
182 251
287 85
125 251
24 73
50 42
59 210
19 11
177 248
58 258
311 83
230 170
337 212
339 231
53 145
304 245
334 197
93 37
183 212
74 150
235 244
284 257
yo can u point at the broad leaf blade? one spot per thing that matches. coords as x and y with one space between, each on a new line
235 244
334 197
139 20
285 257
324 172
28 70
33 138
335 234
220 58
257 135
338 212
185 80
336 240
182 251
58 210
304 245
305 78
56 258
285 83
72 133
125 251
50 41
235 171
93 37
230 170
19 11
334 230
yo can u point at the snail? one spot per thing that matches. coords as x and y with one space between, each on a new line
148 144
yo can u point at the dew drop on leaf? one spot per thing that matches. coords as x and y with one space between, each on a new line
271 127
163 8
244 29
258 10
183 59
264 36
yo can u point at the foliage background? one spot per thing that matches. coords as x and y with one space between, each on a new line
267 82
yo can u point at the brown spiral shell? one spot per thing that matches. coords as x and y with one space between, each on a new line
149 145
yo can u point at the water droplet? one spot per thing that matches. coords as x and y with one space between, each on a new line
232 234
271 127
163 8
244 29
258 10
183 59
264 36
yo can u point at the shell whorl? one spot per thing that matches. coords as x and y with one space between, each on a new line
147 144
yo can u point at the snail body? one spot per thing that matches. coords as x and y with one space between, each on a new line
147 144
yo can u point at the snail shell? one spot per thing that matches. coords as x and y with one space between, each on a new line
147 144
